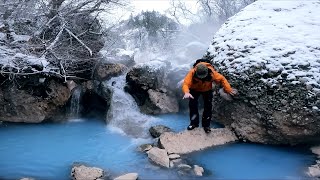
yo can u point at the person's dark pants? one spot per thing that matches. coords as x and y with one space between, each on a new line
193 108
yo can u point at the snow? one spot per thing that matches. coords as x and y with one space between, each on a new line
273 36
1 25
2 36
14 58
20 38
155 65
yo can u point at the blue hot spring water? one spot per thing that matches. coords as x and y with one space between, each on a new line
47 151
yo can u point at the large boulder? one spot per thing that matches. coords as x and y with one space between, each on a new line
33 103
174 80
190 141
105 71
274 62
146 83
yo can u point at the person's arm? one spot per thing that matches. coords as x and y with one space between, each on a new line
187 84
220 79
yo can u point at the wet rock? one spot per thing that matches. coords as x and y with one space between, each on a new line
316 150
86 173
184 169
157 130
129 176
145 147
314 171
198 171
71 85
171 164
195 140
96 99
176 162
159 156
163 102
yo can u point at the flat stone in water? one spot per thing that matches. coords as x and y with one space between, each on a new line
195 140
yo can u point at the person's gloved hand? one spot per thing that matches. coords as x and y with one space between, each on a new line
187 95
234 92
228 96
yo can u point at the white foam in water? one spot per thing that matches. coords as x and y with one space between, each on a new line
138 141
114 129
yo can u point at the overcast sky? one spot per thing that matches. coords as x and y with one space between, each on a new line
157 5
136 6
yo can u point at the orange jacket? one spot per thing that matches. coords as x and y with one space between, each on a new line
194 83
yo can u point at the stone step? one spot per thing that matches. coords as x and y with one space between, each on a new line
195 140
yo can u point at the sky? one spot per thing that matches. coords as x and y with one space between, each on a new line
157 5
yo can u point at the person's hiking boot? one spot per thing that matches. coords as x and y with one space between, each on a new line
190 127
207 129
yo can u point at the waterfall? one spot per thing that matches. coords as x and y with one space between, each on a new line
124 114
74 109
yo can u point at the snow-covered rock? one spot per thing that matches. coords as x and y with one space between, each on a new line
189 141
270 52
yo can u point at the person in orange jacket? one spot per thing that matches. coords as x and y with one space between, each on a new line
198 82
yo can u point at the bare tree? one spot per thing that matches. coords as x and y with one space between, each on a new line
215 11
68 33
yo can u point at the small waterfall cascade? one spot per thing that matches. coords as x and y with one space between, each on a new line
74 109
124 114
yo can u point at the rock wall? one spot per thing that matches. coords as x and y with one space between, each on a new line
33 103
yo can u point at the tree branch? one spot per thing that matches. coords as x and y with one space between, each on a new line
83 44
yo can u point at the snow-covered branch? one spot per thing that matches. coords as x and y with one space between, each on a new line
83 44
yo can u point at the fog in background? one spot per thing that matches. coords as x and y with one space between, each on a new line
195 25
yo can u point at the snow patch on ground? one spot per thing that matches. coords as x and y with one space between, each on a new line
275 37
